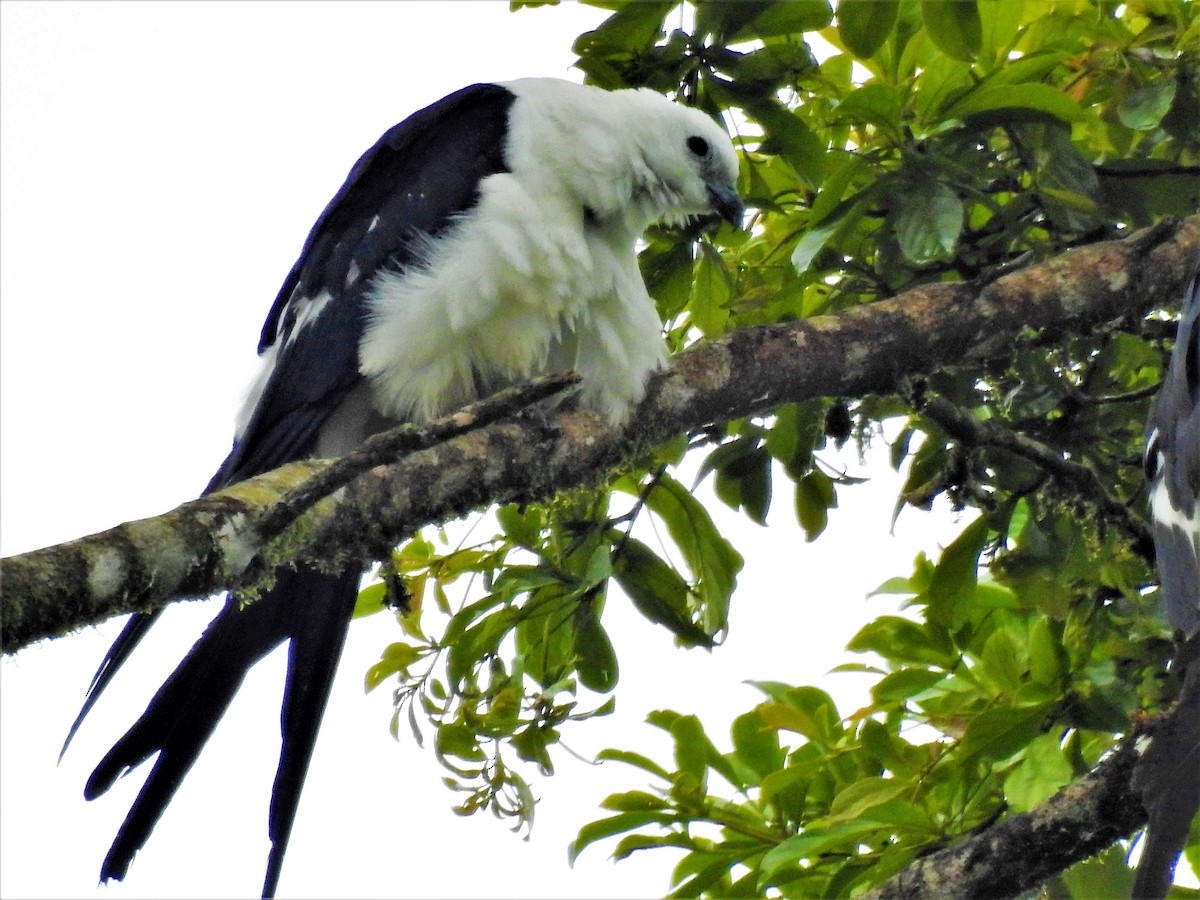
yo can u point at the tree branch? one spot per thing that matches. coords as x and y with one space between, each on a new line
211 544
1020 852
399 442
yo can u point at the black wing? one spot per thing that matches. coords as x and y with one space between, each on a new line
417 178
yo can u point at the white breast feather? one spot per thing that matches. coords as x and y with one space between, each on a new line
518 287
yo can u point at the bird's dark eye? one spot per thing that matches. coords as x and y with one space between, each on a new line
697 145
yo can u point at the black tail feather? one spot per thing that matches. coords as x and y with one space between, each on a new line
133 632
312 662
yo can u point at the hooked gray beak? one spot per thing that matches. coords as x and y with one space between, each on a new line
726 202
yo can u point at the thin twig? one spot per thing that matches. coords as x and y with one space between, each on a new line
1079 478
1127 397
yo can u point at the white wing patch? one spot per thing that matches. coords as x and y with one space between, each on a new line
266 366
306 310
1166 514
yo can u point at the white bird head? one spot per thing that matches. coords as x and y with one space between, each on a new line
632 157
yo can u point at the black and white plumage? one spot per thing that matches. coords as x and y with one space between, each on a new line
1168 774
485 239
1173 470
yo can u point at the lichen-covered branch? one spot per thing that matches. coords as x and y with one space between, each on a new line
225 539
211 544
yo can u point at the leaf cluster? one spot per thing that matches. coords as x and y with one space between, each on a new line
505 671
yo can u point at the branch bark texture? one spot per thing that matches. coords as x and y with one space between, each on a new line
214 543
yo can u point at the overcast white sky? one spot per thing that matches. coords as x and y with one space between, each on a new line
160 165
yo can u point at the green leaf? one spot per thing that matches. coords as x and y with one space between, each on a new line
657 591
1044 770
779 18
813 842
748 20
903 640
396 658
805 710
769 67
712 559
898 450
856 800
523 524
633 801
864 25
516 580
755 745
903 684
1000 102
842 220
989 595
457 740
925 474
928 222
462 619
596 660
814 497
668 270
957 571
743 477
479 642
1028 68
1107 874
711 291
1046 654
1072 200
997 733
695 753
702 872
789 136
603 828
370 601
812 243
901 813
531 744
786 790
635 759
633 842
635 26
1145 106
877 103
895 585
831 201
954 26
1001 662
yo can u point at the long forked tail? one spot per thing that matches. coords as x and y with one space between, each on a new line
311 609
